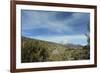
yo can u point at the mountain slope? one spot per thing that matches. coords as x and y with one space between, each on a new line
33 50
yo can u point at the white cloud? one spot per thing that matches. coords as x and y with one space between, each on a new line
41 19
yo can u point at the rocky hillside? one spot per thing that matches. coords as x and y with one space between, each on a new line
33 50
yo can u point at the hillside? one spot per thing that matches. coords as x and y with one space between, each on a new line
33 50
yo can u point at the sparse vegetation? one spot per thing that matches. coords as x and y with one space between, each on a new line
33 50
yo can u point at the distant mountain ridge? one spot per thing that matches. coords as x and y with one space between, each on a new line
69 45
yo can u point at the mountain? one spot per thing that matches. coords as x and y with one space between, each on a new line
27 42
69 45
74 46
34 50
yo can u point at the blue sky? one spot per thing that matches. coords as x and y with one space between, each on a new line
55 26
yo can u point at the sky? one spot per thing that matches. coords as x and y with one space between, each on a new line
55 26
